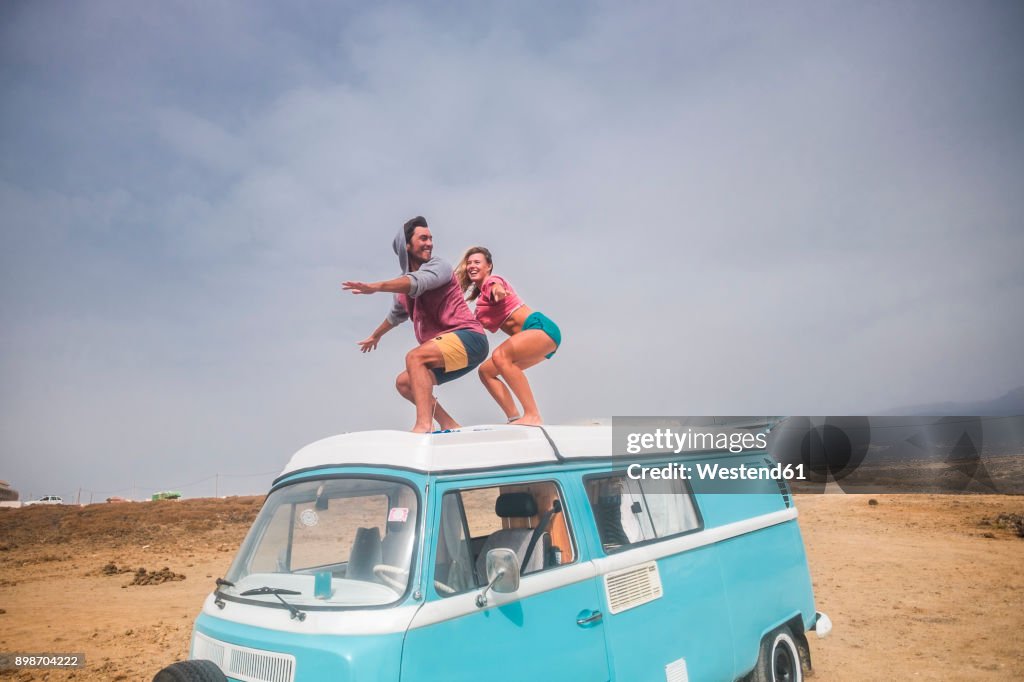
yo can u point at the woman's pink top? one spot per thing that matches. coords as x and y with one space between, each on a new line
492 313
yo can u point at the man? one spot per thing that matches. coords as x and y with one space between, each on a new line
452 341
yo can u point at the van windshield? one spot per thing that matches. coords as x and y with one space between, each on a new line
344 541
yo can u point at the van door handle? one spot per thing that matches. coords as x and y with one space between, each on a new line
594 617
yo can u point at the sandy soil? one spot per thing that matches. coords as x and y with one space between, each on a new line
918 587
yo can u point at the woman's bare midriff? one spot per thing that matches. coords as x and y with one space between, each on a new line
513 324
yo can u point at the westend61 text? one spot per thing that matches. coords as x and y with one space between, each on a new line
667 439
716 472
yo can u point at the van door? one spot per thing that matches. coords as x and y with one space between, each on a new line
550 627
666 612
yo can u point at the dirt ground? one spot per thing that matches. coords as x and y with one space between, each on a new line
917 586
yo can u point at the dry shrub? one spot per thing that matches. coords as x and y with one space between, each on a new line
124 525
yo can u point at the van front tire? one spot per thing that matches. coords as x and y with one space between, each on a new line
779 659
191 671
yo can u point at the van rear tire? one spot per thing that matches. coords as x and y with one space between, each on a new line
191 671
779 659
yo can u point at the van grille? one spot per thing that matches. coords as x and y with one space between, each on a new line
243 663
632 587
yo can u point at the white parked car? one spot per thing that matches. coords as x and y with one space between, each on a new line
48 499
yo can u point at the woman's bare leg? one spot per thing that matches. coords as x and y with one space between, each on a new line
520 352
496 387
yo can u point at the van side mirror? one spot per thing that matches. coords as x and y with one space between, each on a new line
502 573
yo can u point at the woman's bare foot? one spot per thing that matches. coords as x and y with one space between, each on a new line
422 429
529 420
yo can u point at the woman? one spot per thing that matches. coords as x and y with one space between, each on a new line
532 336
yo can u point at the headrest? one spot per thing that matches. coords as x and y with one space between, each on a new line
367 535
515 505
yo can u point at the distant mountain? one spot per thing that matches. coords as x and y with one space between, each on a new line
1011 404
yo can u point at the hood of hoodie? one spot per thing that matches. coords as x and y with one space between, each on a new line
400 250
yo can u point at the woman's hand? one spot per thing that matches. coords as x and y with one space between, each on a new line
497 292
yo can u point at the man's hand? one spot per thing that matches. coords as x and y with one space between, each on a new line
361 287
370 343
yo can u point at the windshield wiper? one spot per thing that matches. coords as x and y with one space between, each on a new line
224 583
277 592
269 590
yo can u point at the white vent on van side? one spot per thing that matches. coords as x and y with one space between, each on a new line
632 587
243 663
676 671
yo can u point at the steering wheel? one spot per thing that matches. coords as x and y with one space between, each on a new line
392 576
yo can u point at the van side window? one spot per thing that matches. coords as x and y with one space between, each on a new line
525 517
629 512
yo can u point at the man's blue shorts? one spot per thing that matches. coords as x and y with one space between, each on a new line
463 350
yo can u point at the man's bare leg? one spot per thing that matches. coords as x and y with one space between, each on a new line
418 363
444 420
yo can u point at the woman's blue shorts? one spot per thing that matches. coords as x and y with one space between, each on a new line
545 324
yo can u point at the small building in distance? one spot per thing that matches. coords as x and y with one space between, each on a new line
8 496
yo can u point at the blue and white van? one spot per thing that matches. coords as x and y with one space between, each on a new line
507 553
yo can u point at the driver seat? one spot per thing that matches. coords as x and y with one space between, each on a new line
365 554
511 506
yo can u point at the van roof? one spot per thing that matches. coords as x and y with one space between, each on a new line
487 446
466 449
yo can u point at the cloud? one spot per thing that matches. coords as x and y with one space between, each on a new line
761 211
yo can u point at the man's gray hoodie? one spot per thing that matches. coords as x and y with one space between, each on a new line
432 274
436 295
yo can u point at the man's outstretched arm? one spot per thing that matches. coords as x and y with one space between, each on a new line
370 343
431 275
398 285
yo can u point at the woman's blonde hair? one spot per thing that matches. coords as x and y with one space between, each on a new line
462 277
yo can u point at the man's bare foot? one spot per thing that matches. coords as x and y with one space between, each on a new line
422 429
529 420
449 425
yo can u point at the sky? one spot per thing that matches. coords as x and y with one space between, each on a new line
728 207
